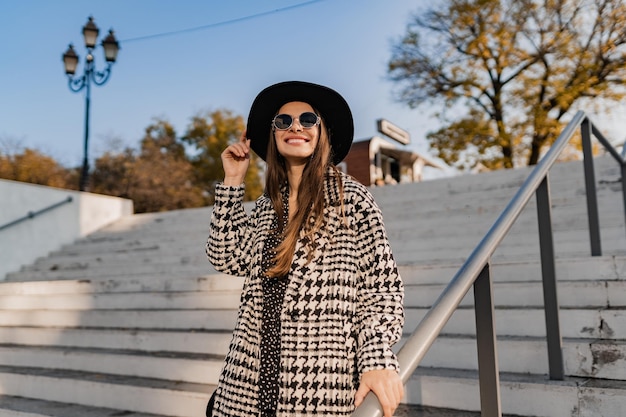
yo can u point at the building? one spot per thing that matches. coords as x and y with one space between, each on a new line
376 161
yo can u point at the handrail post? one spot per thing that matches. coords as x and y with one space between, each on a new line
623 172
548 273
488 374
590 187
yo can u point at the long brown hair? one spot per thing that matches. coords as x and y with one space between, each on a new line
310 213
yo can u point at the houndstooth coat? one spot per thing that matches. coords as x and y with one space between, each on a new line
341 314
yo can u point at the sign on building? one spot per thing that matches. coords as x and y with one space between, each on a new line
394 132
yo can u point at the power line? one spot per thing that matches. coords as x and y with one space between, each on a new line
224 23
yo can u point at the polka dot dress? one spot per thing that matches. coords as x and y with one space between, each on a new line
273 294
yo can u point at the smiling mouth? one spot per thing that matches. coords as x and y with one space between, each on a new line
296 140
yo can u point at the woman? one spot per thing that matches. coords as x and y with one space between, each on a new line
321 305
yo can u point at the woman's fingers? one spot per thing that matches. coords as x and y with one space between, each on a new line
238 150
387 386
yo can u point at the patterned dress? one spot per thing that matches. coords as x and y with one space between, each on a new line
273 293
341 312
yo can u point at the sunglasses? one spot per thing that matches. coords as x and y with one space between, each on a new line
284 121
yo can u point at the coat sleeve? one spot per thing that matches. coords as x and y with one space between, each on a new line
380 291
229 245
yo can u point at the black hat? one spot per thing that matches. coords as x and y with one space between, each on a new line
329 103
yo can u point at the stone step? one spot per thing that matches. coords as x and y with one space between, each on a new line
526 224
568 269
604 359
83 271
575 322
521 394
157 220
427 386
429 249
173 366
421 196
128 242
144 340
213 282
140 395
139 300
586 268
595 358
606 172
418 199
590 323
106 259
26 407
486 208
572 294
29 407
190 320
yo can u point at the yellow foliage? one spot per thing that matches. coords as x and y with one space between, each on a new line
521 65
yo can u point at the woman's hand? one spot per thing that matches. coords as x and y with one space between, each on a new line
387 386
235 160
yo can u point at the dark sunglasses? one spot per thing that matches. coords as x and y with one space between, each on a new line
284 121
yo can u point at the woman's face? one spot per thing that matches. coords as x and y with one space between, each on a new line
296 144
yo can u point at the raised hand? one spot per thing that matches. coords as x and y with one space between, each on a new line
235 160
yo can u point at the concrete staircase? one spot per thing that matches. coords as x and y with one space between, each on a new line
133 321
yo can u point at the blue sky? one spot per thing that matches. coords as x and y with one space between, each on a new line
344 44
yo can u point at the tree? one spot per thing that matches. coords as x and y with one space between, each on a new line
209 134
113 174
509 71
159 178
32 166
166 173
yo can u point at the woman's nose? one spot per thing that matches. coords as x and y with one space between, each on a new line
295 125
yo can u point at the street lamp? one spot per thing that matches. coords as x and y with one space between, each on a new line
70 60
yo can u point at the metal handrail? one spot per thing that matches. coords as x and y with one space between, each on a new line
33 214
476 272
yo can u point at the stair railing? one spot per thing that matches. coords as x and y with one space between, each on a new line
476 272
32 214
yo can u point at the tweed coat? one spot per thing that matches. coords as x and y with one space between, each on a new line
342 311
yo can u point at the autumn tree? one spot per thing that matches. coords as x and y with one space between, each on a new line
157 178
508 72
32 166
113 173
167 172
209 134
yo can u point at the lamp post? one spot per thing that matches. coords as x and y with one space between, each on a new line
90 74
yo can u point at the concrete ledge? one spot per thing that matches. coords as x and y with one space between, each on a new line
49 231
